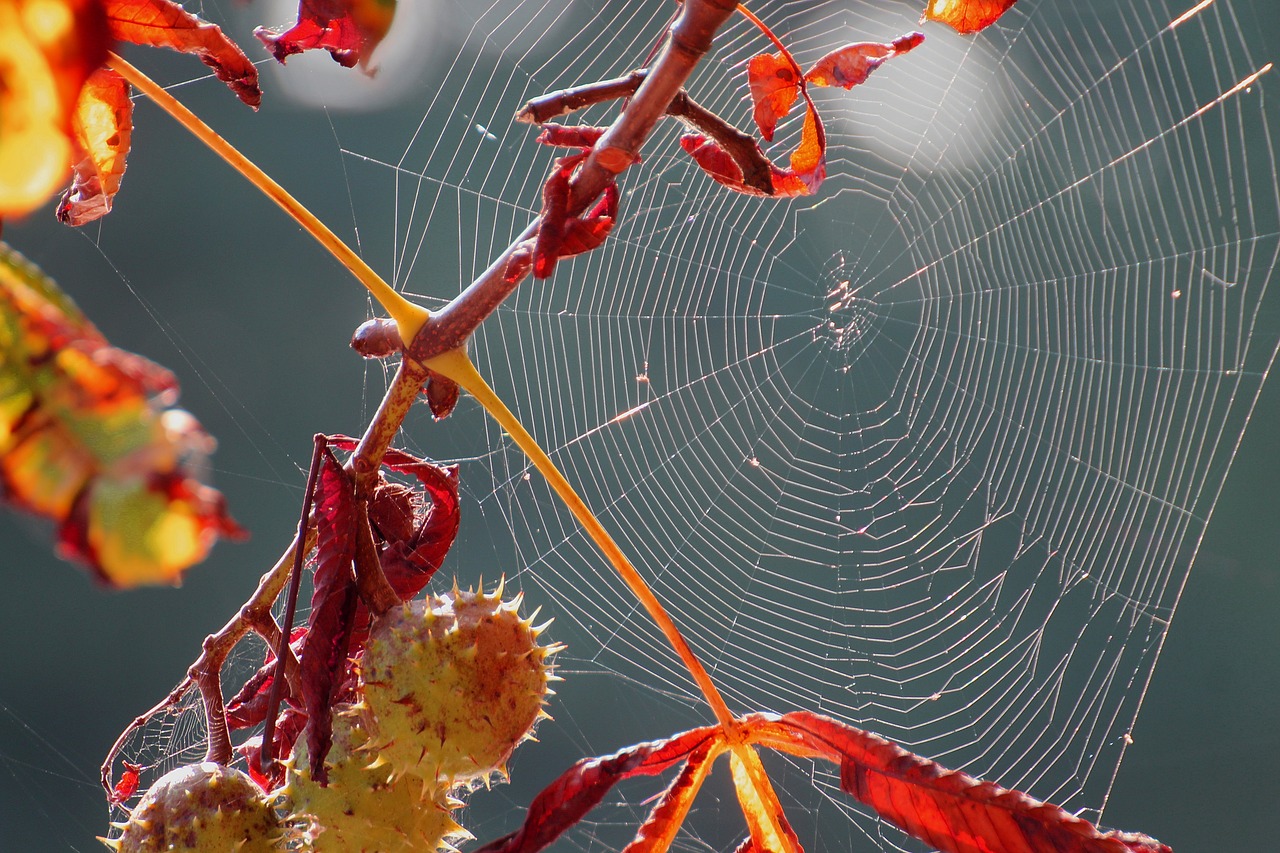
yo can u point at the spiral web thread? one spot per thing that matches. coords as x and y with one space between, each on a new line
931 452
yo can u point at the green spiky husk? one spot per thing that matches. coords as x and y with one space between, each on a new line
452 684
201 808
364 809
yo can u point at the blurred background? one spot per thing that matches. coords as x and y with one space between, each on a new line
198 272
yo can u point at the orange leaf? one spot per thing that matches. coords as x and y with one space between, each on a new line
966 16
87 439
160 23
757 810
774 87
103 125
50 48
809 160
853 64
348 29
659 829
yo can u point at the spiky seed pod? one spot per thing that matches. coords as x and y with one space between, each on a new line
362 809
452 684
203 808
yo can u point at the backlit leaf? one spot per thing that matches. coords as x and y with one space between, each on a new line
88 439
160 23
50 48
948 810
853 64
966 16
580 788
348 29
103 128
774 86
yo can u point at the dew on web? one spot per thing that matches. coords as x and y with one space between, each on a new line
931 452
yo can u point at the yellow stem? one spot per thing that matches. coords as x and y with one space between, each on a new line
456 365
409 318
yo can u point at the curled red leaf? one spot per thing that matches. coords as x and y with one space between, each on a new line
966 16
323 657
570 136
852 64
102 128
348 29
774 85
160 23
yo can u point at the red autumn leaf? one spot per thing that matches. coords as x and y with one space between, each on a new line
323 656
720 165
288 726
853 64
160 23
966 16
103 128
659 829
252 701
127 786
348 29
951 811
570 136
774 86
50 49
580 788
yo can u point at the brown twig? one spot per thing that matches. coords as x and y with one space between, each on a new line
739 145
254 615
687 42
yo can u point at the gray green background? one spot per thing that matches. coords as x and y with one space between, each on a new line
197 271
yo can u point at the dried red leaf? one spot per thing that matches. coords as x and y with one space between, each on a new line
570 136
580 788
774 84
851 65
721 166
127 786
966 16
409 561
442 395
102 129
583 235
323 657
555 203
289 725
951 811
348 29
160 23
50 49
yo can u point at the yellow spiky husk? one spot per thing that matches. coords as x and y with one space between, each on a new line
364 809
452 684
201 808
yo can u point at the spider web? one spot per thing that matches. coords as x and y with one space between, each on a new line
931 452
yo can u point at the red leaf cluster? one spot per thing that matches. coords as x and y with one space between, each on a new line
775 82
412 531
949 810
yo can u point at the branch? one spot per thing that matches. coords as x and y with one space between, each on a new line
688 40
